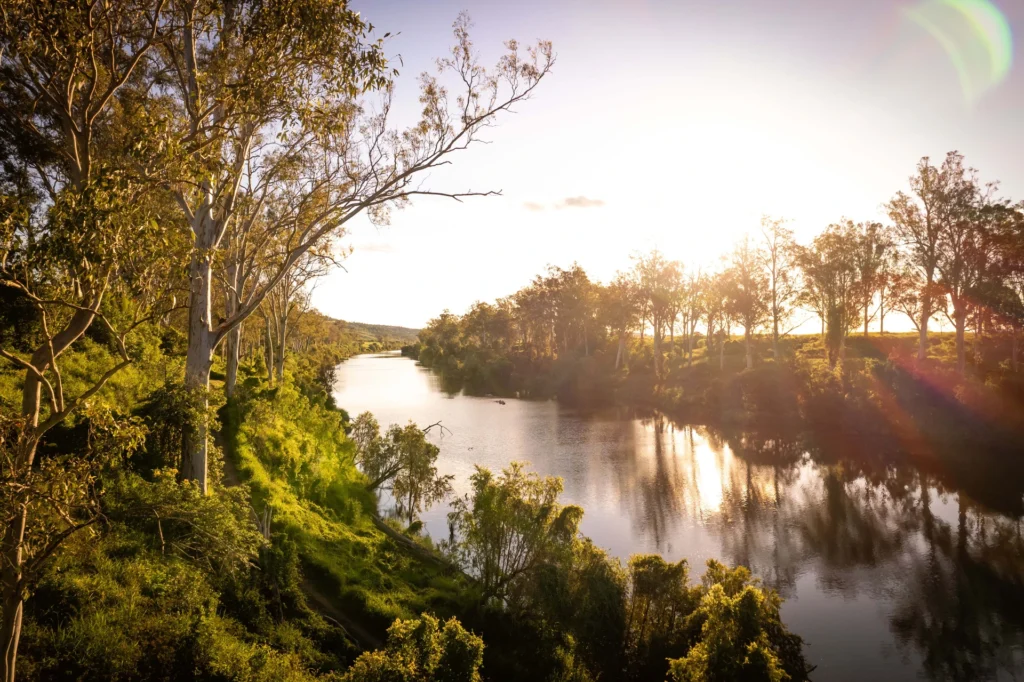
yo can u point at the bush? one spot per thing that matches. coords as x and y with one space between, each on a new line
422 650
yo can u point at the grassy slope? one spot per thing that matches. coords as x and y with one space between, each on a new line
347 560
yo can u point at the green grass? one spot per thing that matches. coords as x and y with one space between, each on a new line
351 562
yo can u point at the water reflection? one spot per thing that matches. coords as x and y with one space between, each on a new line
891 569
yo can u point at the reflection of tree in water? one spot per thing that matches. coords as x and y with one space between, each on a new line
654 485
956 585
849 523
660 493
962 603
753 523
959 587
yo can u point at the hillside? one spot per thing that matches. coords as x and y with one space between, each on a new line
378 332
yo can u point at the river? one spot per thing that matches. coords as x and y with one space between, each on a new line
889 572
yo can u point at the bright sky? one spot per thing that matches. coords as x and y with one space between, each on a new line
681 123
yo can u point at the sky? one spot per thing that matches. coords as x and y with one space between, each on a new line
677 125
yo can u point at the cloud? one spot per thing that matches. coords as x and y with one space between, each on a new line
579 202
533 206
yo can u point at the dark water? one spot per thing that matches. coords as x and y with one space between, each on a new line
890 572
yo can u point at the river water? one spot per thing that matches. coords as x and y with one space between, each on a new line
890 572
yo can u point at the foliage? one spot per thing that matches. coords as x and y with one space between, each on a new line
508 526
422 650
402 458
735 644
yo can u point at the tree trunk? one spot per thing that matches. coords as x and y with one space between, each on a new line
960 320
198 361
689 347
1014 363
881 317
622 347
234 336
10 582
749 347
268 352
866 320
707 341
721 351
231 349
775 337
657 348
926 313
10 628
282 337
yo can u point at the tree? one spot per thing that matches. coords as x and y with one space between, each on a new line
716 310
962 246
79 230
919 219
508 526
659 282
692 302
402 457
275 86
291 297
871 255
417 485
779 253
1004 292
889 264
422 650
572 296
735 643
619 312
749 293
658 597
832 277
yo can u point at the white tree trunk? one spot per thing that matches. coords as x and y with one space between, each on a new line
282 338
231 348
268 351
198 361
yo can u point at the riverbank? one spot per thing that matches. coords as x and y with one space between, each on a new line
877 394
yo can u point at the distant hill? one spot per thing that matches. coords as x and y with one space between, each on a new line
378 332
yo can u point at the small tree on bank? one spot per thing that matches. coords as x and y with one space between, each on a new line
832 277
748 289
402 459
779 251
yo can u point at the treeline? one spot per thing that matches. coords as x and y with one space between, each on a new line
679 338
952 249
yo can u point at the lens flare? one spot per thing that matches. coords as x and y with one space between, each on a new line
975 35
